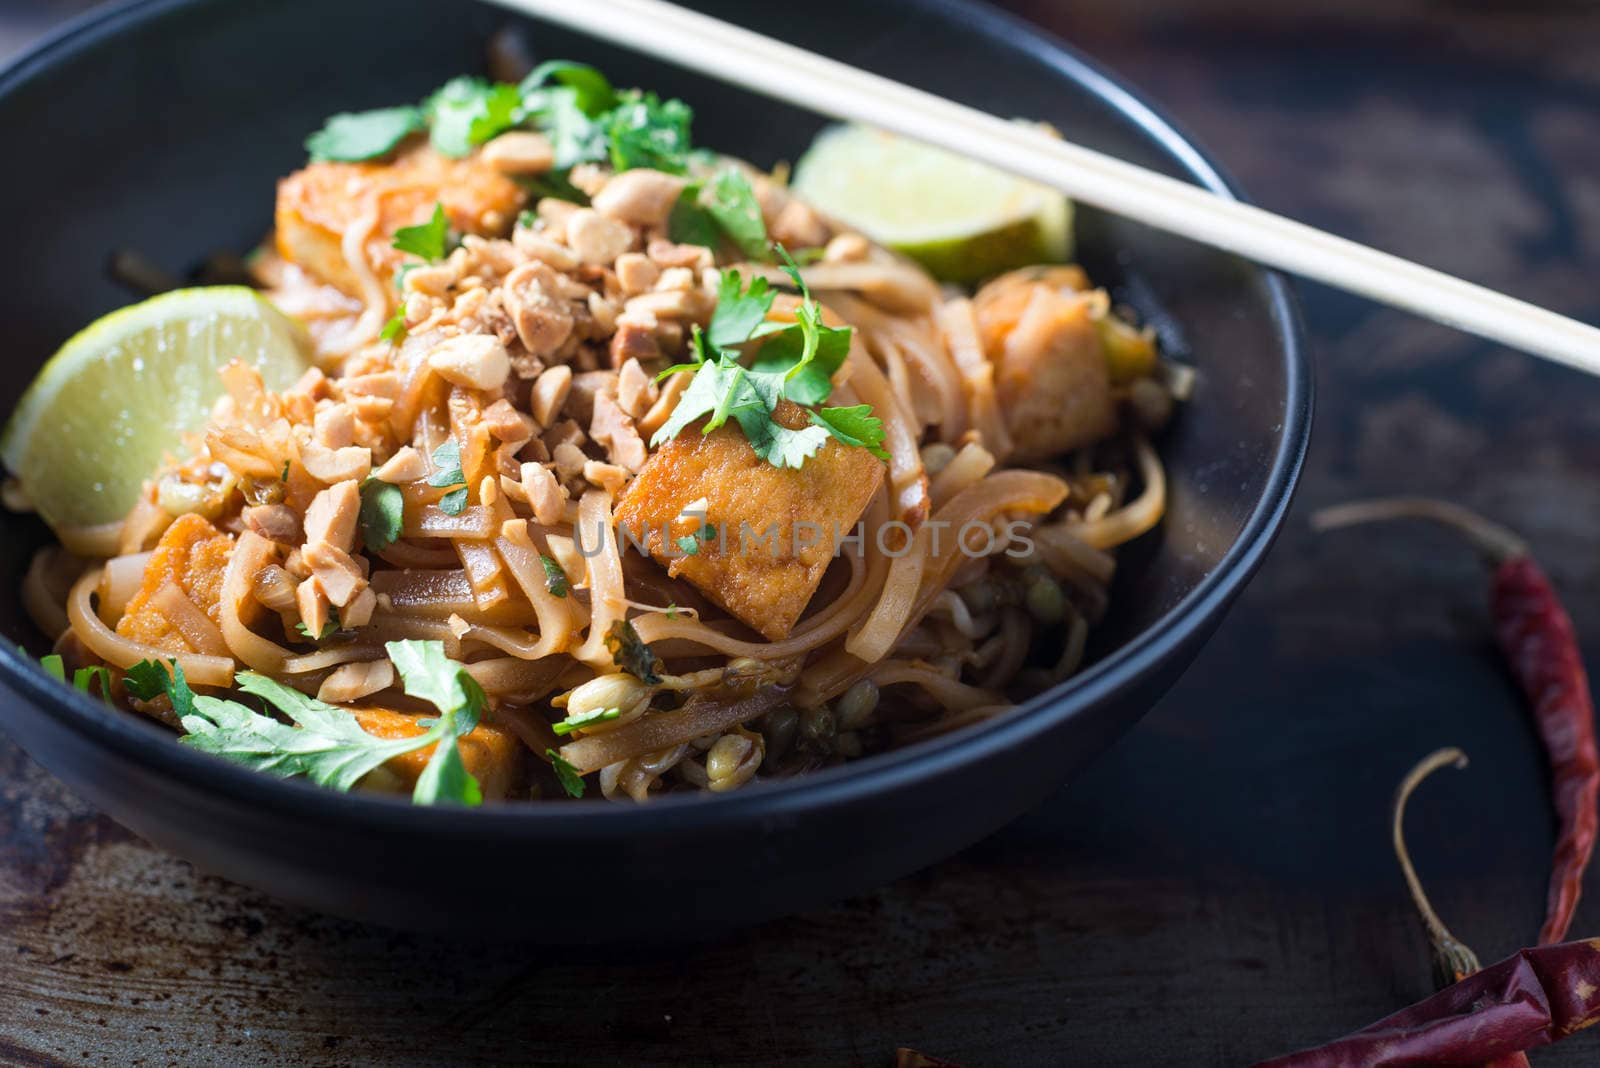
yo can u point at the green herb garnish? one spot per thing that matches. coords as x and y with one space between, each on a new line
447 458
328 745
394 331
724 207
555 579
690 543
83 679
571 781
631 654
329 629
383 509
351 137
795 363
732 203
574 105
584 719
430 240
469 111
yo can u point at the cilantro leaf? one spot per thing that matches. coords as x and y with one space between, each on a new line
631 654
711 389
646 131
469 111
555 579
574 135
690 543
330 628
739 311
592 92
777 444
732 203
327 744
145 680
446 779
383 509
584 719
394 331
427 673
352 137
555 184
447 458
430 240
85 679
148 679
855 425
806 356
690 223
571 781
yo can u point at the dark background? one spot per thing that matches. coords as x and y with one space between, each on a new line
1218 887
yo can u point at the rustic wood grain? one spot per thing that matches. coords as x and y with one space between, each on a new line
1218 888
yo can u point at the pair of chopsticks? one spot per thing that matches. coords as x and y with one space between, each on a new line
752 61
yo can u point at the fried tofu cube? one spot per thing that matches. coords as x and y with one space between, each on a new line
191 555
318 204
776 527
1051 373
492 754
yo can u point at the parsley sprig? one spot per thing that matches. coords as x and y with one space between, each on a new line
795 363
326 743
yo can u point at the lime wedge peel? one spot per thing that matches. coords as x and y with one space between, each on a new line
963 220
117 397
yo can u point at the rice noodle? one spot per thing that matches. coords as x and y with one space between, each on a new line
1137 516
123 575
195 626
122 652
250 554
607 601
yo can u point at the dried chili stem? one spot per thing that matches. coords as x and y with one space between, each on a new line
1453 960
1493 540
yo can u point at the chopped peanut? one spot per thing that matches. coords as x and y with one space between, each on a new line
550 394
519 152
549 500
349 682
476 361
596 239
642 197
331 519
406 465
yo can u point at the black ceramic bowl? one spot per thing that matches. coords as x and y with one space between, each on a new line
162 126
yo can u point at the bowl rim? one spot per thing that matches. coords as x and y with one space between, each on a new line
153 748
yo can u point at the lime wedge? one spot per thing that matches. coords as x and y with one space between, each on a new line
962 220
106 409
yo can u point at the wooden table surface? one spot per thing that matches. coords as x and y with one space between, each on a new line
1218 888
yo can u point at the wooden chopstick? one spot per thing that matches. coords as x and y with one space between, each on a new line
785 72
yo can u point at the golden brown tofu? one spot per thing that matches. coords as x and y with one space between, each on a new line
1051 374
491 753
318 204
191 555
765 582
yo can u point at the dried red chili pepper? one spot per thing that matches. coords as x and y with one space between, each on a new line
1539 995
1536 637
1530 999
